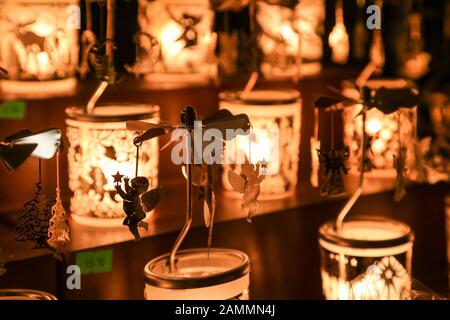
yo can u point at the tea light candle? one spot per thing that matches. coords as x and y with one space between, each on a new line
220 274
39 46
276 120
179 47
99 146
383 131
290 39
364 242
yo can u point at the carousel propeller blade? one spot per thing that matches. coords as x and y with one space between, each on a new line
218 115
133 125
389 100
345 99
325 102
240 121
47 141
13 157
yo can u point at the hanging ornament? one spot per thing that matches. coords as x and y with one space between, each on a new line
137 201
360 33
333 164
33 224
338 37
417 60
58 230
248 182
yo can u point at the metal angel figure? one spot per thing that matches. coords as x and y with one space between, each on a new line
248 182
333 164
137 201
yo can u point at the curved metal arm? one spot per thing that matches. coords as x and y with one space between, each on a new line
188 221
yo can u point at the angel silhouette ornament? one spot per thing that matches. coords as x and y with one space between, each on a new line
137 201
248 182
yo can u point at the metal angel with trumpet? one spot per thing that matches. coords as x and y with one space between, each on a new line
202 175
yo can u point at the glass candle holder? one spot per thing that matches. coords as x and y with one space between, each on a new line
176 43
290 38
25 294
221 274
350 258
275 139
384 132
99 146
39 45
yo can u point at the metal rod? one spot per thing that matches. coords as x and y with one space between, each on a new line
351 202
188 220
97 94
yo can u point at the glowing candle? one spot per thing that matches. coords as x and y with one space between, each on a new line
220 274
99 146
383 245
39 47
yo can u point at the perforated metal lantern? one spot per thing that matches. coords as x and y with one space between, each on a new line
99 146
39 45
176 43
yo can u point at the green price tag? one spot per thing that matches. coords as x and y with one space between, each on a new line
13 109
94 261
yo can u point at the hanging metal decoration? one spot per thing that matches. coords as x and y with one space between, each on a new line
58 230
137 201
248 183
331 161
338 37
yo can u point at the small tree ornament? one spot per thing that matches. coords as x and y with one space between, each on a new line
58 230
34 223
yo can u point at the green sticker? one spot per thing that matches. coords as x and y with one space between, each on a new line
13 109
94 261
